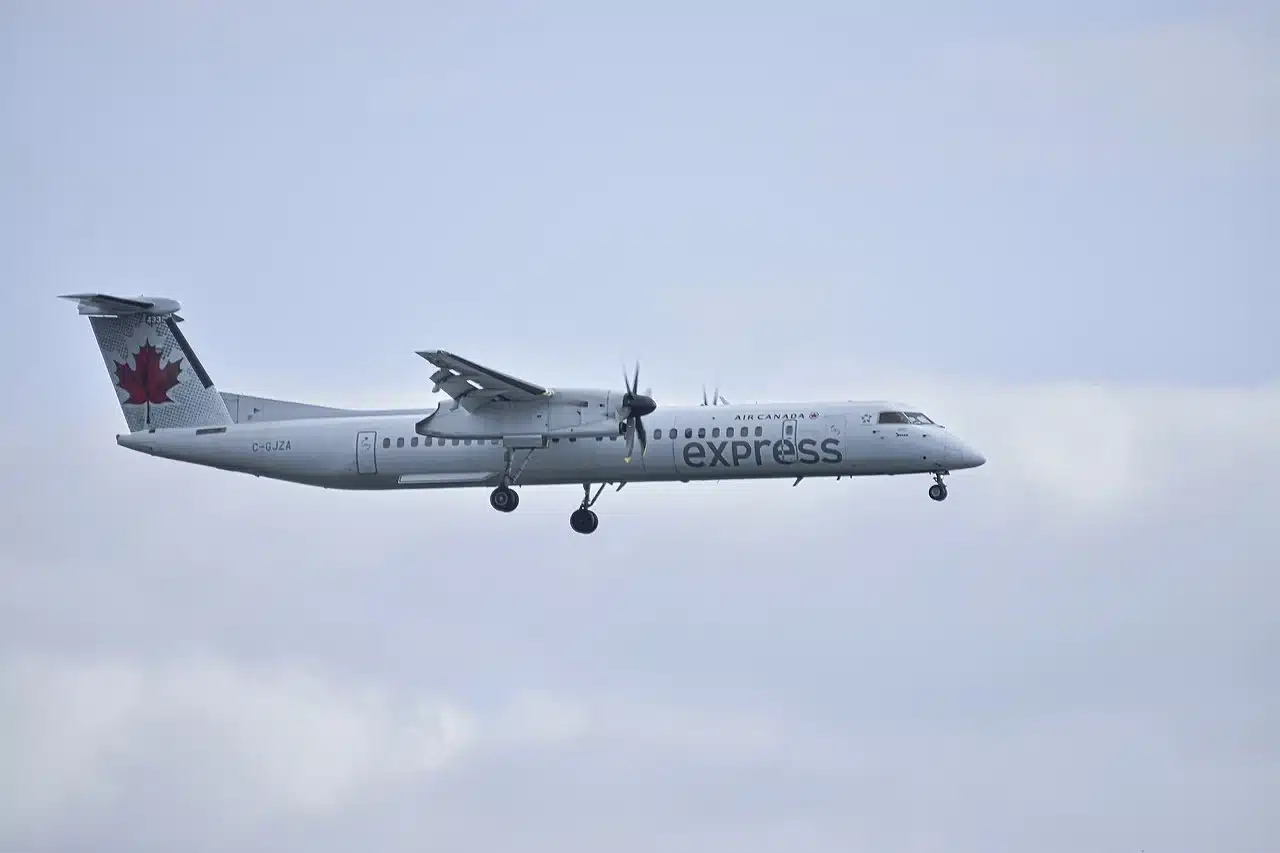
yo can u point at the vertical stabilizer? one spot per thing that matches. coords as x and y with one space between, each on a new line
159 381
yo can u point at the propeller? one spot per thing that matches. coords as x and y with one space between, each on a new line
634 407
716 399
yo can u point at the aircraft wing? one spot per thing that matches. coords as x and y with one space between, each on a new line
474 386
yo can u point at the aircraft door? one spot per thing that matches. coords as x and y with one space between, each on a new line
366 452
787 453
833 427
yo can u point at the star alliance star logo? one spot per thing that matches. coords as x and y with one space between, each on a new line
866 419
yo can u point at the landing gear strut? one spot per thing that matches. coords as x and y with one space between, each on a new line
938 491
582 519
504 499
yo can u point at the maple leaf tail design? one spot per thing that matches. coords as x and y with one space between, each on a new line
159 381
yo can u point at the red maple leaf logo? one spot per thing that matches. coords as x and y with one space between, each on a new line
148 382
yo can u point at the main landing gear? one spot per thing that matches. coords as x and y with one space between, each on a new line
504 499
938 491
582 519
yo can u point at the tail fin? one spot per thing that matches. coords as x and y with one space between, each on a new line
158 378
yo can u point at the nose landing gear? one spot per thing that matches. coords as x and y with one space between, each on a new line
938 491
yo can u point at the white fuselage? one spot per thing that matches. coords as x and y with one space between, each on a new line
383 451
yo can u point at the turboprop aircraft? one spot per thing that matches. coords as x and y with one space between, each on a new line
496 430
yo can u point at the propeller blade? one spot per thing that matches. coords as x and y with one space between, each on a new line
635 383
631 440
704 393
625 382
716 395
644 440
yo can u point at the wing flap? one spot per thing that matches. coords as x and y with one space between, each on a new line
474 386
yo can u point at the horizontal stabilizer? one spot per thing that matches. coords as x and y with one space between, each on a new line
106 305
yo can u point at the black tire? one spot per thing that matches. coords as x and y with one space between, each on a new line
504 499
938 492
583 521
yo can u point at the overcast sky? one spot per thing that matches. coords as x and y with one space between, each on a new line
1052 228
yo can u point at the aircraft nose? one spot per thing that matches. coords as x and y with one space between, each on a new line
962 455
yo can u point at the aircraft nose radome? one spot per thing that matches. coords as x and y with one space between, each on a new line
964 456
970 458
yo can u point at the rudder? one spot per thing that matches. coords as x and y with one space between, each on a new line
158 378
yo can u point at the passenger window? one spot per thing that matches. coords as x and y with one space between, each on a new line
728 432
455 441
892 418
759 431
386 442
715 433
688 432
413 442
599 438
440 442
702 432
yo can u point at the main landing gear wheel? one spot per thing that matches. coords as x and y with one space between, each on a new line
584 521
504 499
938 491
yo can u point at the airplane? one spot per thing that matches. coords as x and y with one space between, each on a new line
496 430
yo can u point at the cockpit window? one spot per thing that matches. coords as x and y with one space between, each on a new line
904 418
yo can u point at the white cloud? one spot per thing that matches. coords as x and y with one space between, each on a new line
252 742
259 739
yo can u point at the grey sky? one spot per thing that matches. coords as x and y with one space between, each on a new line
1050 227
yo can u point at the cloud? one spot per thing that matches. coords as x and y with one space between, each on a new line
245 740
252 742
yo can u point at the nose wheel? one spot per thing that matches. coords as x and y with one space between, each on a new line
504 499
938 491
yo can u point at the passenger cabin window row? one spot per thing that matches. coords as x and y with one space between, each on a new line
673 434
426 442
729 432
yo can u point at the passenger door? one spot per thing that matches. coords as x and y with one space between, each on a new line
367 452
790 435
